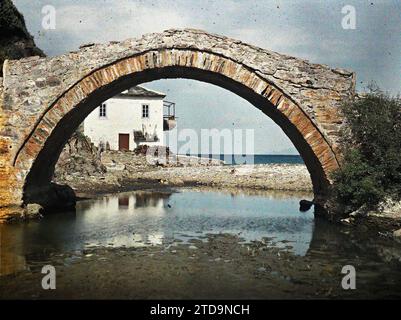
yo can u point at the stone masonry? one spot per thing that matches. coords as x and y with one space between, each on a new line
43 100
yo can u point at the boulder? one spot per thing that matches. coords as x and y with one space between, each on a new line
362 211
305 205
33 211
176 181
115 167
52 197
397 234
347 221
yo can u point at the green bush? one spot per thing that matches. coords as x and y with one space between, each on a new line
371 170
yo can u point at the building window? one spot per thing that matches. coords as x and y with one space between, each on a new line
145 111
102 110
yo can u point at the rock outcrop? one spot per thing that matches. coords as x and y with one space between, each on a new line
15 40
79 158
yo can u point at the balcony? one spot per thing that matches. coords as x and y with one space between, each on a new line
139 137
169 118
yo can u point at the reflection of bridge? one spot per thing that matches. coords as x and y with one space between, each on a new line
16 242
43 100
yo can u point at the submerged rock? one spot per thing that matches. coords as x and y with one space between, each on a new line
33 211
305 205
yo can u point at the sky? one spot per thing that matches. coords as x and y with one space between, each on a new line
309 29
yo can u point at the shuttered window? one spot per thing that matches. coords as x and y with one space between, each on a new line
102 110
145 111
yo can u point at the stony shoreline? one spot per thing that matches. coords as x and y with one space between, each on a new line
126 171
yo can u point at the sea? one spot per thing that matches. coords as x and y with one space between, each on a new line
254 159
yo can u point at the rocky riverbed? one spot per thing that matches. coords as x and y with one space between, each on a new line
218 269
222 267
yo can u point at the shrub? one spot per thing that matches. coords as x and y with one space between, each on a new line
371 139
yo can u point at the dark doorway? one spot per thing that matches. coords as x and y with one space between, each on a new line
123 141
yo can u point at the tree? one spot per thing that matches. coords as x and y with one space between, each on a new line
371 139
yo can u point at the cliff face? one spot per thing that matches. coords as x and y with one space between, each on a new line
15 40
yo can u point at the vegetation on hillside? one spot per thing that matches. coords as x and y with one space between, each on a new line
371 171
15 40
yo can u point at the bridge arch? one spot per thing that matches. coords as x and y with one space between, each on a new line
302 98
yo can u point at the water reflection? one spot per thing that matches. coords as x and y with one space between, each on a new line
12 256
160 218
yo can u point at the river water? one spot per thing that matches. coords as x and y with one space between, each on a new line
136 219
166 219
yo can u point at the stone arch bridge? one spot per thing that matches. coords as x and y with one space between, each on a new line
43 100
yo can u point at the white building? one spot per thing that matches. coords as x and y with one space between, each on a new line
131 118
